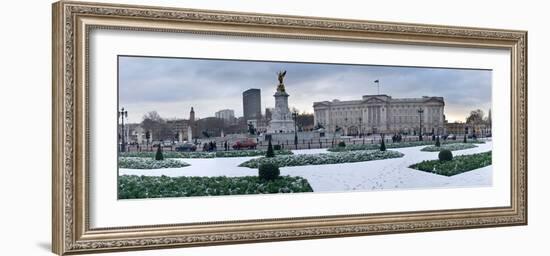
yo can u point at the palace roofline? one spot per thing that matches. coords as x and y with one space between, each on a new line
382 97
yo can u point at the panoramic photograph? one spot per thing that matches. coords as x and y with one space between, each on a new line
210 127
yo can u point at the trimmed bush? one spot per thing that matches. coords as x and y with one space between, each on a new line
270 152
268 171
323 158
132 186
445 155
149 163
341 144
437 143
383 146
354 147
459 164
277 147
158 155
465 140
451 147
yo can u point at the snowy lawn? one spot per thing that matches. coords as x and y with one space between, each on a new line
371 175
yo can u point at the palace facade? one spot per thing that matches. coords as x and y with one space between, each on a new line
382 114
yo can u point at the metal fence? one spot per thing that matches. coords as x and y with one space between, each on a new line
290 144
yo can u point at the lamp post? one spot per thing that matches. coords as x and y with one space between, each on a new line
295 117
420 112
122 114
345 125
360 127
147 137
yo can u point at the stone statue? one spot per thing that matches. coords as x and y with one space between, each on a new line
281 76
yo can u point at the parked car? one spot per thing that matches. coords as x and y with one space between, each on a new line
245 144
451 137
186 147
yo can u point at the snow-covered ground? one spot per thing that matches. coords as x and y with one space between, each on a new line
371 175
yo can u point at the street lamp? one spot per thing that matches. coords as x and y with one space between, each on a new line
360 127
123 114
346 125
295 117
420 112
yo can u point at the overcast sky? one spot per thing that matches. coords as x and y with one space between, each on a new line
171 86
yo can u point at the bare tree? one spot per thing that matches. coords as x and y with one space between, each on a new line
153 122
153 115
476 117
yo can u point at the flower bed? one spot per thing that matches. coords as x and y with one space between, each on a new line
459 164
354 147
451 147
149 163
132 186
235 153
323 158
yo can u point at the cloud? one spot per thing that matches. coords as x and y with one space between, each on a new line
172 85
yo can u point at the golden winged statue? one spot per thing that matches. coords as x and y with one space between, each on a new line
281 77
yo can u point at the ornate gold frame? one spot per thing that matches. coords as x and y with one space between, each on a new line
72 22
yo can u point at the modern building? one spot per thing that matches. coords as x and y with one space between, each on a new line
381 114
227 115
252 104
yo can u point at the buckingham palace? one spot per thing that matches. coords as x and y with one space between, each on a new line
382 114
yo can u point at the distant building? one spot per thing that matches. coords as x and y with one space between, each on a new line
192 124
192 115
381 114
460 128
268 113
456 128
177 129
227 115
252 105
